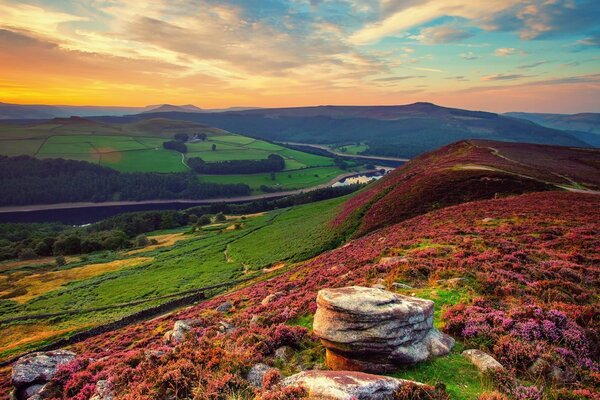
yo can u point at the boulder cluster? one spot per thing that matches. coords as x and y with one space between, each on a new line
374 330
32 372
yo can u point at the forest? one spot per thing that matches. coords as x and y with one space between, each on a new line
272 163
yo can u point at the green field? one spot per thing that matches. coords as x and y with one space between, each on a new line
215 254
137 147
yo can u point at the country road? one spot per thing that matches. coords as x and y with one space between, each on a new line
239 199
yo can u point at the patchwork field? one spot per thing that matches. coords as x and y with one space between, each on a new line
179 260
137 147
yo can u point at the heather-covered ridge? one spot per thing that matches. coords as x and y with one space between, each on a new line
528 269
467 171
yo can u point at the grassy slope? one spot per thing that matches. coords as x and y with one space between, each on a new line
211 256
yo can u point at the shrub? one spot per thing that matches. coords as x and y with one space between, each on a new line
27 254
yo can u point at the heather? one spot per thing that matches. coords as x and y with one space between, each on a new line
527 293
467 171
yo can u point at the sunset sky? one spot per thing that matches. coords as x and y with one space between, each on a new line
497 55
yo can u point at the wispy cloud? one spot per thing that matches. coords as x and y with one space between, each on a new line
504 77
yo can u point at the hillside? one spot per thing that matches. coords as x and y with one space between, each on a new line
467 171
582 122
527 260
522 259
401 131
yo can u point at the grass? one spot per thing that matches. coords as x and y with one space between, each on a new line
181 261
286 180
462 380
353 148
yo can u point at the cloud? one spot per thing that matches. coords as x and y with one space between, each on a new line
507 51
398 78
592 41
443 34
469 56
532 65
503 77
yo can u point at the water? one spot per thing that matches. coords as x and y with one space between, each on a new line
363 178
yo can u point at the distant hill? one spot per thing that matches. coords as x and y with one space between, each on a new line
467 171
404 131
172 108
584 126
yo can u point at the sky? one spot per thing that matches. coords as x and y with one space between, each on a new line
495 55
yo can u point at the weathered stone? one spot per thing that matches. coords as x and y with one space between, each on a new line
379 286
103 391
30 391
481 360
224 307
399 285
181 329
226 327
270 298
39 367
284 353
344 385
256 374
373 330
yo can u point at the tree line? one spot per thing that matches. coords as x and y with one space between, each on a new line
272 163
27 180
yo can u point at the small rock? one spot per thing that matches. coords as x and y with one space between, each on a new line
378 286
270 298
540 367
481 360
399 285
284 353
103 391
254 320
392 260
39 367
150 354
256 374
487 220
345 385
181 329
226 327
224 307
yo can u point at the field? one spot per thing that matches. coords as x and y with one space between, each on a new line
181 260
137 147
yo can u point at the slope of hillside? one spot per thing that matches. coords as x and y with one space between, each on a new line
403 131
583 122
530 261
467 171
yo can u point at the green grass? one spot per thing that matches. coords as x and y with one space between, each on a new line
287 180
148 160
206 257
352 148
19 147
462 380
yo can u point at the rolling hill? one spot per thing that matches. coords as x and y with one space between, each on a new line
404 131
467 171
512 274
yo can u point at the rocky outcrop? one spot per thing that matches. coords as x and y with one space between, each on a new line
373 330
31 372
345 385
481 360
225 306
180 330
103 391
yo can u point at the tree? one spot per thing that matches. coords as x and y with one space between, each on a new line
202 136
67 245
27 253
220 217
141 241
181 137
175 145
60 261
214 147
203 220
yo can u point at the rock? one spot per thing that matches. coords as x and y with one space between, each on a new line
284 353
540 367
379 286
103 391
399 285
31 391
344 385
392 260
226 327
39 367
153 354
181 329
373 330
224 307
481 360
487 220
270 298
451 283
256 374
